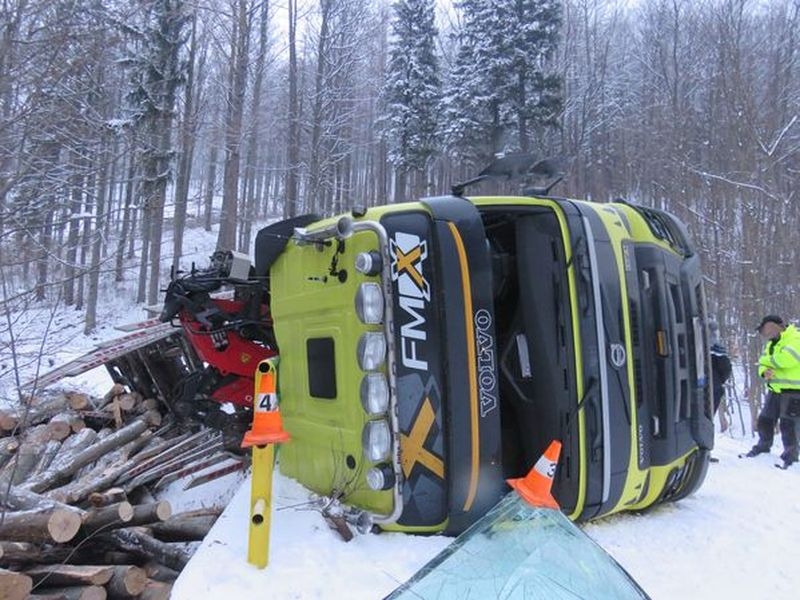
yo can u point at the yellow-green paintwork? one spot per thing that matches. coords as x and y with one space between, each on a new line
307 302
658 479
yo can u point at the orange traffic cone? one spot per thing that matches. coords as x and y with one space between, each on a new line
267 425
536 485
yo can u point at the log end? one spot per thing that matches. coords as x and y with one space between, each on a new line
164 510
63 525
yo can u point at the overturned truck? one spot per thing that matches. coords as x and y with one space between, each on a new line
431 350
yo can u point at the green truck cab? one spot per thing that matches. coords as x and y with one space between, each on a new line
431 350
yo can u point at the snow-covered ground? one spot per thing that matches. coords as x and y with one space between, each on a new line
736 538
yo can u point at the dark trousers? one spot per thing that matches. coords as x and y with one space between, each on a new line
770 413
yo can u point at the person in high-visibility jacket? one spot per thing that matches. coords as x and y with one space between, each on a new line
779 366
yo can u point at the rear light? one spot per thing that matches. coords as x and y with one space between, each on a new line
376 439
369 263
374 394
371 351
369 303
380 477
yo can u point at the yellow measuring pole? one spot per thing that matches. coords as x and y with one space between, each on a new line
260 505
267 430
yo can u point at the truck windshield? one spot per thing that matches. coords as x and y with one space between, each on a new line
534 332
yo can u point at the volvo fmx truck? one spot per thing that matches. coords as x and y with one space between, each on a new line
433 349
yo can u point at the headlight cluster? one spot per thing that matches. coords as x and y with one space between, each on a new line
375 394
369 303
376 438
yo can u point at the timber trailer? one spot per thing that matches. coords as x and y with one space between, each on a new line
431 350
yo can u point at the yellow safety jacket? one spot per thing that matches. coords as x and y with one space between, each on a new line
782 355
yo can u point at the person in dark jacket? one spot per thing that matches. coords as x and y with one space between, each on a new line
720 365
779 366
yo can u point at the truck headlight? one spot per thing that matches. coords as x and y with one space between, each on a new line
380 477
371 350
376 440
369 303
369 263
374 394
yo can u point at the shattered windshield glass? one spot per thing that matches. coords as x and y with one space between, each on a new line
520 552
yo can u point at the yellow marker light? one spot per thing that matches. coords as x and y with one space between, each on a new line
662 343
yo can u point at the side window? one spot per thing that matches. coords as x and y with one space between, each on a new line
321 357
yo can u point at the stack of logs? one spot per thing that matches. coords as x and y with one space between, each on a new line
78 518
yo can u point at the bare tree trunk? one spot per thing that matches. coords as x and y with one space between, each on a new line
144 262
188 133
211 184
240 50
76 201
251 160
127 221
45 254
90 321
86 240
290 209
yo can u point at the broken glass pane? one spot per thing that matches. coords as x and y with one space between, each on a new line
520 552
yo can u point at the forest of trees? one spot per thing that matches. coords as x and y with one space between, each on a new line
120 121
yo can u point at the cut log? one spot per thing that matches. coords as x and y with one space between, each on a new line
41 409
69 575
127 582
126 402
8 448
80 592
116 412
49 453
107 470
145 514
59 427
106 518
14 586
109 496
154 418
25 457
79 401
23 464
142 544
24 553
115 557
45 480
19 499
156 590
186 527
8 421
83 439
115 391
159 572
55 525
96 419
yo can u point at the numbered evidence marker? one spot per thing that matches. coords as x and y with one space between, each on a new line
536 486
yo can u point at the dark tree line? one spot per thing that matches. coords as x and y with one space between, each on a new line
122 124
